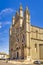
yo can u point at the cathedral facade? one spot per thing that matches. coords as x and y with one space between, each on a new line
25 39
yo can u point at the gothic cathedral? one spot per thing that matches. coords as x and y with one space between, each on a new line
25 39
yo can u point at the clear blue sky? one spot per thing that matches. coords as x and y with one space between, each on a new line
8 8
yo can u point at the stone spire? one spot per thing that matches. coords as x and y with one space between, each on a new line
27 14
13 20
21 11
21 7
27 10
17 13
21 15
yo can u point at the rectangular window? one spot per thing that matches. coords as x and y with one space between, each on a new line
35 47
36 34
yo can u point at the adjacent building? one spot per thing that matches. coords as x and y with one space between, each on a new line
25 39
3 55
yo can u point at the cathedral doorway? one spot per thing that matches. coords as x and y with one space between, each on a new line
17 55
